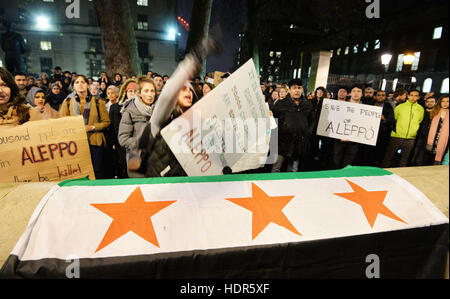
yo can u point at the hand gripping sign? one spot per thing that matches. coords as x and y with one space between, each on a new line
230 127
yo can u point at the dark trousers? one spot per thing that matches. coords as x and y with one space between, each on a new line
406 145
97 161
344 154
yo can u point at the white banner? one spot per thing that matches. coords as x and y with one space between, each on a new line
231 126
349 121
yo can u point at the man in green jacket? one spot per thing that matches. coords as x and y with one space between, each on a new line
408 116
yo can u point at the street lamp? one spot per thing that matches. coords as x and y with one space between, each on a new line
408 59
42 23
386 60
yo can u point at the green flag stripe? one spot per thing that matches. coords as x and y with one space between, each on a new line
350 171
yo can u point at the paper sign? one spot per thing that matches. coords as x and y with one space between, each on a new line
45 151
349 121
229 127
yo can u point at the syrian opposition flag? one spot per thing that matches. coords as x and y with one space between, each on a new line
288 225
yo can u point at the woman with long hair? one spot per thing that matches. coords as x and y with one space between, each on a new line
96 119
136 112
437 144
13 111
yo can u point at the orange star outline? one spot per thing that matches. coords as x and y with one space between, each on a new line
265 210
371 202
132 215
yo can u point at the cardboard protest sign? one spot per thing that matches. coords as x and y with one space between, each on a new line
231 126
349 121
44 151
218 78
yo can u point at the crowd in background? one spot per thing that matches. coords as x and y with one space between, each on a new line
413 132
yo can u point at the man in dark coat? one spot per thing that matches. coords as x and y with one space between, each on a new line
295 117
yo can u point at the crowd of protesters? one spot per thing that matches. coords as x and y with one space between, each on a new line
414 128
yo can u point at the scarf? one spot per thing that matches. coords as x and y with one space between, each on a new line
76 108
443 136
143 108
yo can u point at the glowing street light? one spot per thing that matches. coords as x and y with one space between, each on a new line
42 23
171 34
409 59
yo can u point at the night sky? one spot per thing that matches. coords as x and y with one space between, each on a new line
230 15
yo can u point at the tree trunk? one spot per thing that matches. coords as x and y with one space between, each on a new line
119 39
199 26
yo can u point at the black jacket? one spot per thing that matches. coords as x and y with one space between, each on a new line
295 126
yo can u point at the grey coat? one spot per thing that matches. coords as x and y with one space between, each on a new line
132 123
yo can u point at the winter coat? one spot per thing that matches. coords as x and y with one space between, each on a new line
409 116
295 123
98 117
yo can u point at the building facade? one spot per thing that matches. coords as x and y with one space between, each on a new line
405 28
59 35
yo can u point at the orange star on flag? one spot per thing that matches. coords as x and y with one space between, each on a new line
132 215
370 201
265 210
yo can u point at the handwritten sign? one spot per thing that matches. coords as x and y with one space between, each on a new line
45 151
349 121
230 127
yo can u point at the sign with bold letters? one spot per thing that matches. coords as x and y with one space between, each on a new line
349 121
45 151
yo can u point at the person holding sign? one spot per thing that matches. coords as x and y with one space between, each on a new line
176 98
13 111
96 119
345 152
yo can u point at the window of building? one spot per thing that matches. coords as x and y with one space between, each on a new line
142 2
299 73
399 63
46 65
271 53
437 33
347 50
278 54
377 44
427 84
142 22
48 0
444 87
143 49
145 67
309 72
1 63
366 47
383 85
46 45
95 45
295 74
394 84
413 80
355 49
95 67
415 65
338 52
